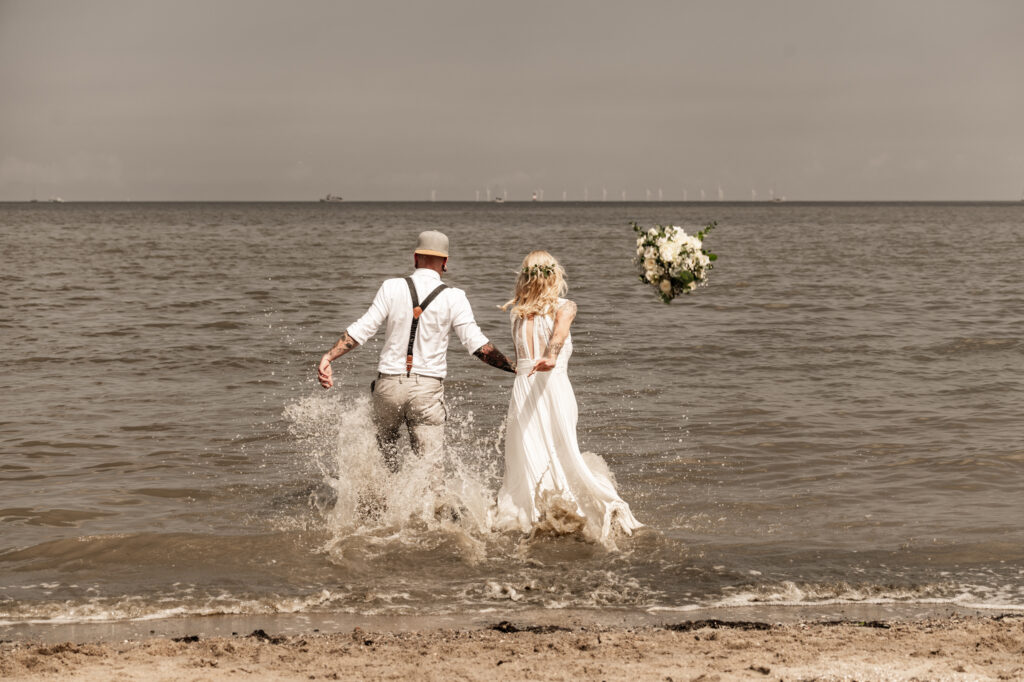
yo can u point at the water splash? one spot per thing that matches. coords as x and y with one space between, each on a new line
445 498
442 502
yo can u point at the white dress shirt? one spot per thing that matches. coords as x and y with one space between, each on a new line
392 306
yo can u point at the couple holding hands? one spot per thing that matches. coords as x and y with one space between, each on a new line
545 472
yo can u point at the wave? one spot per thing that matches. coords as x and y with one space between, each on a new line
139 608
791 594
484 596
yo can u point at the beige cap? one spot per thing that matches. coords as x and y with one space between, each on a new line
432 243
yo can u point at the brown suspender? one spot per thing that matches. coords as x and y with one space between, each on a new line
417 310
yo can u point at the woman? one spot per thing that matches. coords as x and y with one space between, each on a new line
549 484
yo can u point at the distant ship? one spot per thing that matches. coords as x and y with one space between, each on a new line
332 198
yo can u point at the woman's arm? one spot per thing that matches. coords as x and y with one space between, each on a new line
563 320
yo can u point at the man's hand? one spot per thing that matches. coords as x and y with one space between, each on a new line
324 373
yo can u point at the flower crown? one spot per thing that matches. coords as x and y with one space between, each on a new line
533 271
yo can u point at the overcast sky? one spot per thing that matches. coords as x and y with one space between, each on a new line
181 99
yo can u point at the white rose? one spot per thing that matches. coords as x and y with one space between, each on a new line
650 263
665 286
669 251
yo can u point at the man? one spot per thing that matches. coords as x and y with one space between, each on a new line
419 312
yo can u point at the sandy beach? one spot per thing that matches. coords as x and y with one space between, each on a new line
950 648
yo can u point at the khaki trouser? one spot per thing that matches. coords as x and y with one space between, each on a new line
416 401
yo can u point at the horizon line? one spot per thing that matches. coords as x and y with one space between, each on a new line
50 202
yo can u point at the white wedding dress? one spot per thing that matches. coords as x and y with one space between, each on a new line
549 485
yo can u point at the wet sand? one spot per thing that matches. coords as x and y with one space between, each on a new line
950 648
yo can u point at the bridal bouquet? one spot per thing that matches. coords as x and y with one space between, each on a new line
672 261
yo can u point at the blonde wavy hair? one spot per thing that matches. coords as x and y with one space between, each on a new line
540 282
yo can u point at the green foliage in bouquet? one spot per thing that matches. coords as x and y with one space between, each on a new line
672 261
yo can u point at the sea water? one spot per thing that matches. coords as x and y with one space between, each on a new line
838 418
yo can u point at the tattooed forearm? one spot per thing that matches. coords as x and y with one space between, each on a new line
344 345
563 320
495 358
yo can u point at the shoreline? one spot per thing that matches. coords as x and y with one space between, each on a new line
228 625
953 646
